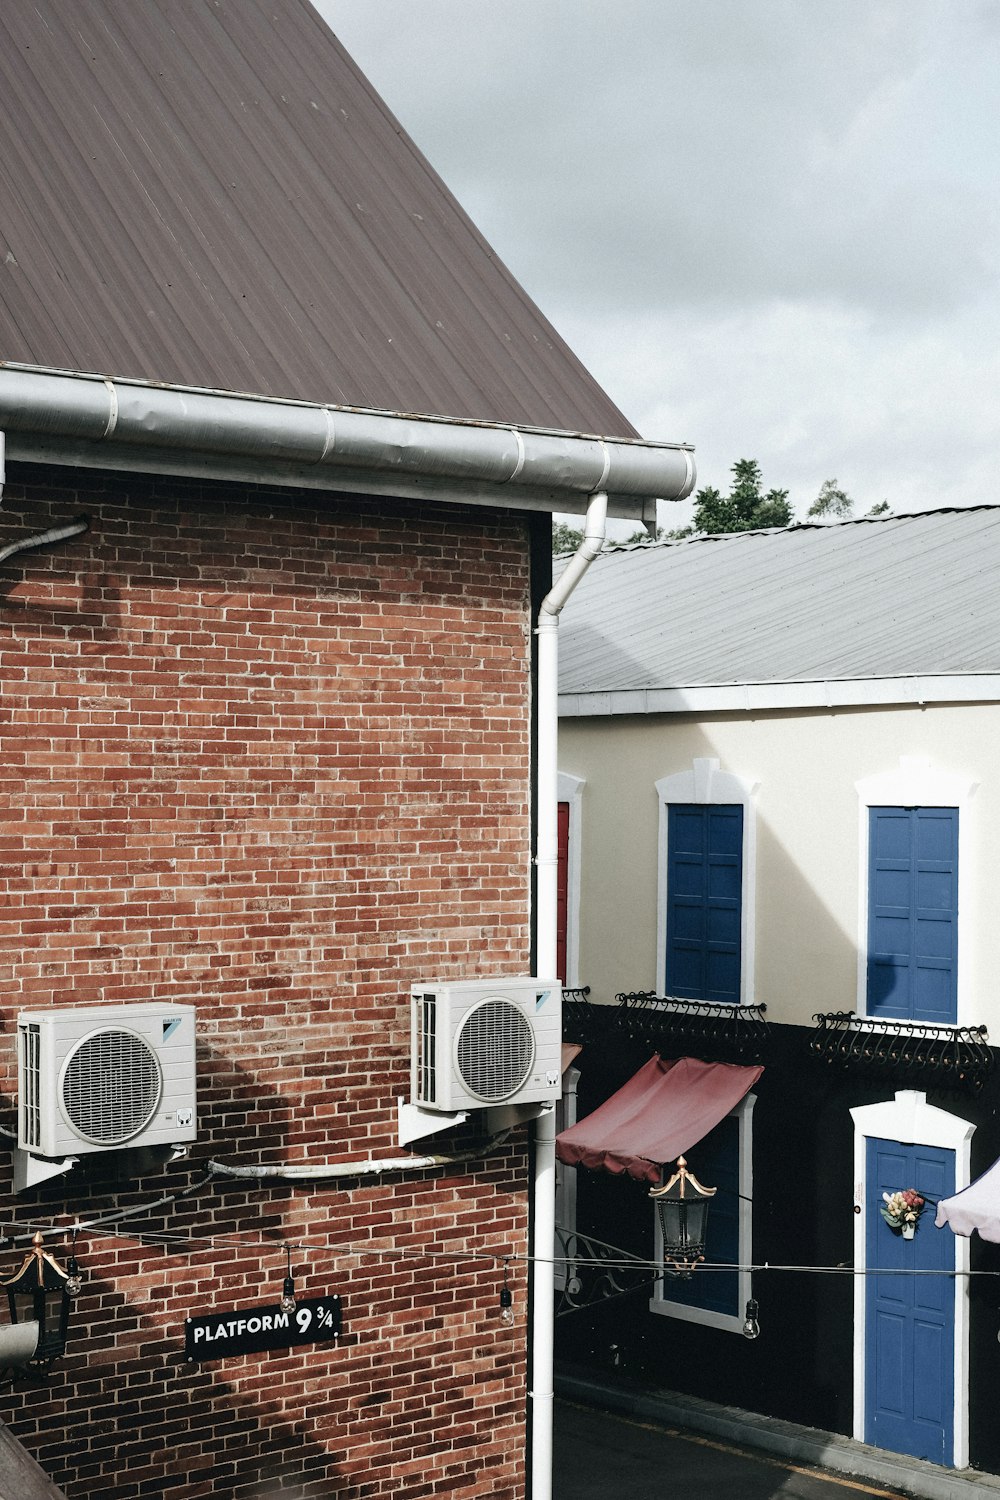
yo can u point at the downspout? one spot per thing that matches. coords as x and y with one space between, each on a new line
546 862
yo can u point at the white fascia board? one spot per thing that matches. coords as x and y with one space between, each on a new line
138 460
753 697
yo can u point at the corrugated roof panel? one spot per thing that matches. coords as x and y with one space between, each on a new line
894 597
208 192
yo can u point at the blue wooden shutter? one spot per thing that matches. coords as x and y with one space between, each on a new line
913 913
704 901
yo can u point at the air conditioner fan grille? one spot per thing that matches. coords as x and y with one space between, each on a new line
111 1086
494 1050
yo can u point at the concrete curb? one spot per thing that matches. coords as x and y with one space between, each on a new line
808 1445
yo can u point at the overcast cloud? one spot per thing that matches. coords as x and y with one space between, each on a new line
769 227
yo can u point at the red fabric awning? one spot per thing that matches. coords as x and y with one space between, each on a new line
664 1110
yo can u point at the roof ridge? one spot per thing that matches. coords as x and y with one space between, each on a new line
795 526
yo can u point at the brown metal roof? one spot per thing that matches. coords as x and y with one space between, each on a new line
208 192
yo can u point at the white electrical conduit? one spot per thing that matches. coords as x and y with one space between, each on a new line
324 1172
45 538
547 861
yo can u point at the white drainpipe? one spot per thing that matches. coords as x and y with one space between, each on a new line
547 857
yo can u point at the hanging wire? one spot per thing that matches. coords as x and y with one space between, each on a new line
116 1216
380 1255
172 1240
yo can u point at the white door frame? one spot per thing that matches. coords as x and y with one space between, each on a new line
908 1118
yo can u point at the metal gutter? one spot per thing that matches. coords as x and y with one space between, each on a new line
64 417
756 697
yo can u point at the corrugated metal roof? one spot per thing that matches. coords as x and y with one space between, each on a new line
895 597
209 193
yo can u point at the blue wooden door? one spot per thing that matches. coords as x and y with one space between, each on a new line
910 1320
704 901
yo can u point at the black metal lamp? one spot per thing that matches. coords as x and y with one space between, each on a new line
682 1204
40 1293
287 1300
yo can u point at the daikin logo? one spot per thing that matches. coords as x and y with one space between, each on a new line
540 998
169 1027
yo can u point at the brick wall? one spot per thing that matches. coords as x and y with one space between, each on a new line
269 755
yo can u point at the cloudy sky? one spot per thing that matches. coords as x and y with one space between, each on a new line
769 227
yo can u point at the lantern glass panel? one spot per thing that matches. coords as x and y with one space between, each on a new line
682 1225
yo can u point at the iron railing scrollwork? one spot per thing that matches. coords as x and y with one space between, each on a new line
948 1057
589 1272
583 1021
715 1031
719 1032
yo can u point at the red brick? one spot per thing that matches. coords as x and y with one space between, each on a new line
268 755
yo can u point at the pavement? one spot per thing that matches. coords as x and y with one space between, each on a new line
602 1456
632 1444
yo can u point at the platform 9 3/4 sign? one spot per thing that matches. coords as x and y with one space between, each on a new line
254 1330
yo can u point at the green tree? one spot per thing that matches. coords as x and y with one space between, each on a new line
745 508
565 538
832 503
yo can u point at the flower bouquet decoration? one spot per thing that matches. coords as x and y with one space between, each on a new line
901 1210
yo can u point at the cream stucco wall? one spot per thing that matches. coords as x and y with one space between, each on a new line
809 834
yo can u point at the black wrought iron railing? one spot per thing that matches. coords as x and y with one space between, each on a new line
583 1021
950 1057
589 1271
703 1028
663 1023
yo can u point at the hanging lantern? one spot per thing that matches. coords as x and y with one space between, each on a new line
682 1205
39 1297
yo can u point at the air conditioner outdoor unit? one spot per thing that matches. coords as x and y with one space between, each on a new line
103 1077
484 1042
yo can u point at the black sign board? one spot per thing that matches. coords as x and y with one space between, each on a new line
252 1330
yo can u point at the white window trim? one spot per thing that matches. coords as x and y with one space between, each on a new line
570 789
916 783
660 1301
910 1119
566 1114
705 783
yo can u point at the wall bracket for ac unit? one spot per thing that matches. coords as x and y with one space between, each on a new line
500 1117
30 1170
416 1122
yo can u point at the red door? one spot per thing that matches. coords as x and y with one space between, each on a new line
562 890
